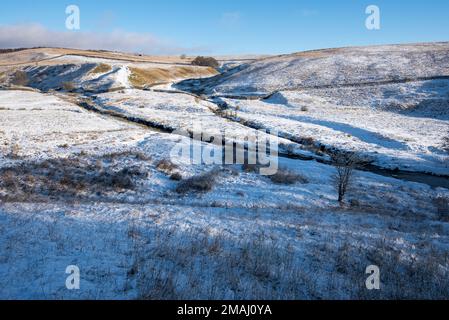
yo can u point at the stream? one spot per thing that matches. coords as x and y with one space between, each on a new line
431 180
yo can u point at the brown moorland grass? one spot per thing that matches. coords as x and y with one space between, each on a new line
20 78
147 77
28 56
101 68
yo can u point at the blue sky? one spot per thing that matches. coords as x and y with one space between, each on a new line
232 26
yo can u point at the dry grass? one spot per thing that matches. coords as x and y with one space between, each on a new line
442 206
141 78
169 168
100 69
65 179
28 56
127 154
251 168
420 278
258 266
286 176
166 166
308 141
68 86
282 175
251 268
14 152
166 258
201 183
317 53
20 78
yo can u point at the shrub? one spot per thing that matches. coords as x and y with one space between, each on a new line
62 178
442 205
68 86
14 152
206 62
176 176
250 168
123 179
200 183
166 166
308 141
286 176
12 50
20 78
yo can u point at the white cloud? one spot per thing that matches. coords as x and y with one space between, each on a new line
35 35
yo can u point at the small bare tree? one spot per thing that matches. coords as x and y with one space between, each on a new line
345 163
445 144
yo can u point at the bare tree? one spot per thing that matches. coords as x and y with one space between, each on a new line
445 144
345 163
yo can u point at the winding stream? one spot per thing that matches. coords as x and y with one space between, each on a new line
433 181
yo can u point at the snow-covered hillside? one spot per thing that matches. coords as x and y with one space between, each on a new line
335 67
107 202
389 104
389 139
88 176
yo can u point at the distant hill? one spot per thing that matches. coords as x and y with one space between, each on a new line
335 68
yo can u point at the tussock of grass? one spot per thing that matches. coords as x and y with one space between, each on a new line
68 86
282 176
254 168
14 152
285 176
127 154
201 183
442 205
100 69
140 78
176 176
170 169
166 166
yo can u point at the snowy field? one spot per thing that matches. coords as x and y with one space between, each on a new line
386 138
100 187
334 67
